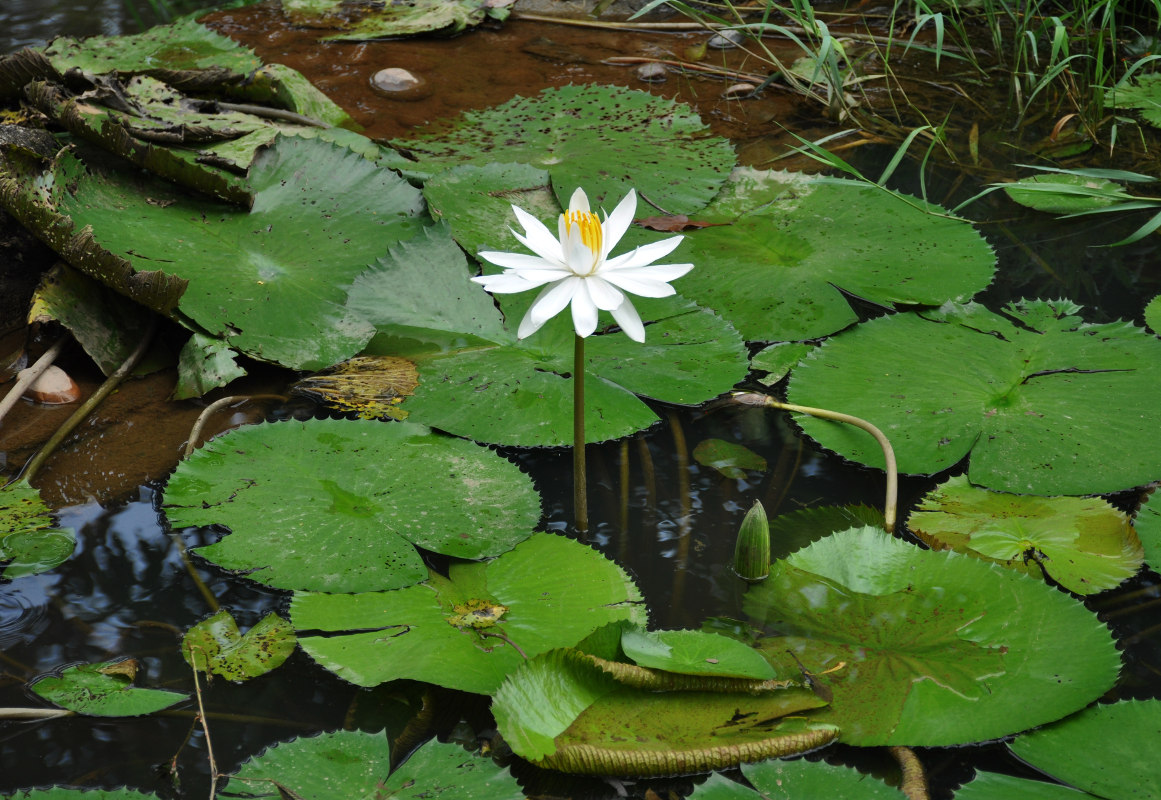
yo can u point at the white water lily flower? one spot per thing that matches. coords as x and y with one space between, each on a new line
574 268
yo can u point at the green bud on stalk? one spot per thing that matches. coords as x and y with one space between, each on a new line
752 553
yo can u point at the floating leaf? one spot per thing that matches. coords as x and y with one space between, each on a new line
927 648
1153 314
560 712
29 538
605 139
356 22
204 364
808 240
1065 193
66 793
1148 527
356 765
99 691
217 646
776 779
729 458
797 529
692 652
992 786
371 387
376 489
1082 543
1143 96
1109 750
1038 397
268 293
778 359
469 630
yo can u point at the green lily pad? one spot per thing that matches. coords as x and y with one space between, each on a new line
357 766
605 139
729 458
376 489
1143 96
994 786
268 293
777 779
778 359
217 646
927 648
1153 314
205 363
67 793
102 690
808 238
1082 543
796 529
693 652
1065 193
356 22
469 630
1110 750
29 540
1148 527
561 712
1044 402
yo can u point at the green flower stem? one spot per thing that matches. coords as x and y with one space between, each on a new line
892 500
580 489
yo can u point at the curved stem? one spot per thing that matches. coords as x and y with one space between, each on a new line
30 375
86 408
207 412
914 786
580 489
892 500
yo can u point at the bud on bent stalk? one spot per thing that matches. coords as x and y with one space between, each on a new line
752 553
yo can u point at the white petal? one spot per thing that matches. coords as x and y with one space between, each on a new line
518 261
645 254
505 283
605 296
584 312
579 201
618 222
630 321
654 273
642 287
553 299
537 238
578 256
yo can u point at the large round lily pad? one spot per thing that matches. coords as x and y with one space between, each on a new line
604 139
1043 402
929 648
794 244
339 505
470 629
779 779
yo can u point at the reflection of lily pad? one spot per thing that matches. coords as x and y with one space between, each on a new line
373 489
1084 544
469 630
930 648
729 458
776 779
563 713
103 690
604 139
794 242
1112 751
29 539
1044 402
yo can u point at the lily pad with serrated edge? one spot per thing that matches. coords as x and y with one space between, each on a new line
778 359
925 648
560 711
102 690
795 244
469 630
779 779
356 764
271 281
29 540
1147 524
205 363
69 793
1082 543
604 139
1043 402
217 646
1143 96
1153 314
339 505
995 786
1111 750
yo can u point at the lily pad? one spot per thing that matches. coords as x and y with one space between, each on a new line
1153 314
604 139
1044 402
68 793
992 786
562 713
1109 750
1065 193
357 765
1143 96
1148 527
217 646
360 21
103 690
29 540
272 281
778 779
469 630
778 359
377 489
1082 543
809 240
729 458
927 648
205 363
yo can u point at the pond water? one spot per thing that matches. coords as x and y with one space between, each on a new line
671 522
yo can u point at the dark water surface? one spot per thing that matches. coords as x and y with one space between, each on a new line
128 590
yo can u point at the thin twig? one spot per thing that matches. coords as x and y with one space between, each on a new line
204 417
34 713
30 375
205 725
272 113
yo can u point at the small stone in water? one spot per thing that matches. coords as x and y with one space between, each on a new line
739 90
726 39
652 72
53 388
400 84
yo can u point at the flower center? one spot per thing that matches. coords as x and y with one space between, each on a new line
588 225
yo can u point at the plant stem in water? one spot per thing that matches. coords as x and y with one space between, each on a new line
580 489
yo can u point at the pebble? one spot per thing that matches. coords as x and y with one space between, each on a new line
53 388
726 39
399 84
652 72
739 90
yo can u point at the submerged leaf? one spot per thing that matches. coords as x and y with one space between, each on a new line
339 505
729 458
929 648
97 690
29 538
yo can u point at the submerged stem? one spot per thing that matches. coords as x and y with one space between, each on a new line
580 489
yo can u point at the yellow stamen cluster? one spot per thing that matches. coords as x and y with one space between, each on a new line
589 226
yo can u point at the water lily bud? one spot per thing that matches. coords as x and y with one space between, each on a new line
752 553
